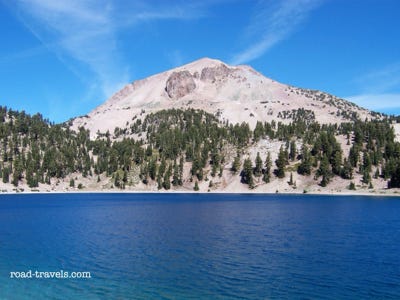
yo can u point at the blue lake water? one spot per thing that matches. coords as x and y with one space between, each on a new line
181 246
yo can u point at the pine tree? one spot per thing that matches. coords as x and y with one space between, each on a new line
305 164
6 175
347 170
149 151
291 182
167 177
267 171
352 186
180 181
17 172
214 170
366 177
247 173
117 179
153 169
394 181
175 177
163 166
324 171
354 156
281 163
367 164
292 151
337 162
236 164
221 170
125 178
196 166
258 131
159 182
259 165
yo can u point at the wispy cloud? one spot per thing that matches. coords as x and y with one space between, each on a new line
81 30
381 80
273 23
378 102
22 55
379 89
87 31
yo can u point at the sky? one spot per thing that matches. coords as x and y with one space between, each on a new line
64 58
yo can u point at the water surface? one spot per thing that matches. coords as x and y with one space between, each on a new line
211 246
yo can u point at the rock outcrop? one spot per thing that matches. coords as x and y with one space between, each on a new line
212 73
179 84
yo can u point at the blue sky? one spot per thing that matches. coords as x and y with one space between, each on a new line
64 58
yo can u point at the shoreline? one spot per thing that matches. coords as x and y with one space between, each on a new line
312 193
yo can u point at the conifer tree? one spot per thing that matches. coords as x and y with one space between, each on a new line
180 181
258 131
267 171
17 171
117 179
247 173
324 171
258 165
347 170
196 186
354 155
159 182
236 164
394 181
281 163
367 161
337 163
153 169
292 150
214 170
221 170
305 164
144 173
175 177
167 177
352 186
6 175
291 182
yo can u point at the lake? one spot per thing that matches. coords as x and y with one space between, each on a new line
200 246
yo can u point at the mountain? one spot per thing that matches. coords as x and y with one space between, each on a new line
208 127
232 93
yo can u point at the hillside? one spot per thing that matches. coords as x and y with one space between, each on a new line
191 150
232 93
205 127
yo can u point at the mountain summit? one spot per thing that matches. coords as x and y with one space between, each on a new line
232 93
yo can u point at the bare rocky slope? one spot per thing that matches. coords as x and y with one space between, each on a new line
233 93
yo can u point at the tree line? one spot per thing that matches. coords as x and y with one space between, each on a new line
37 151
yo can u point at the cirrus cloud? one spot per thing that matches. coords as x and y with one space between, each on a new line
273 23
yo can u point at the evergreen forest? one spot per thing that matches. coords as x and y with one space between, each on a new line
155 150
